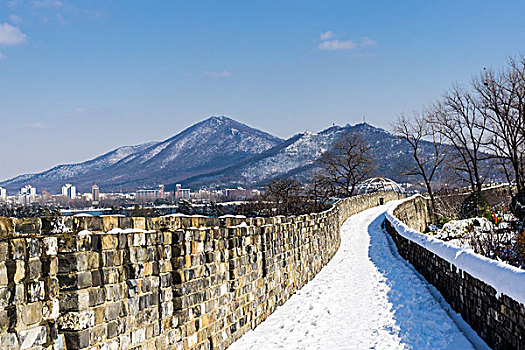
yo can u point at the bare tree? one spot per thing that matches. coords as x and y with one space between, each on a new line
320 190
348 163
285 193
417 131
502 95
462 123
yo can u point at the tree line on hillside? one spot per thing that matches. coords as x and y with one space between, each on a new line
341 169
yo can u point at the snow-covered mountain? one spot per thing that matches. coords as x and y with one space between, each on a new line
63 173
298 157
210 145
221 152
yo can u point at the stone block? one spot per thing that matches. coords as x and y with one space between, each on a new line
20 294
75 242
74 301
94 223
125 223
125 341
112 329
109 223
27 225
34 247
110 275
84 280
54 225
77 339
4 320
98 334
110 345
93 260
18 248
72 262
32 337
97 296
31 313
96 278
139 239
4 250
112 311
139 223
74 321
138 336
34 269
111 258
49 266
6 227
108 241
35 291
3 274
52 287
51 309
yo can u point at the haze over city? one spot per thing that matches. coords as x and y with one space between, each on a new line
83 77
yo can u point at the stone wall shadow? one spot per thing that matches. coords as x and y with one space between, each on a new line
413 304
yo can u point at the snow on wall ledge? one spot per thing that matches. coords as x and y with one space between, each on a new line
490 295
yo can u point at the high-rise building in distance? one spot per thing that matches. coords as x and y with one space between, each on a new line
69 191
95 193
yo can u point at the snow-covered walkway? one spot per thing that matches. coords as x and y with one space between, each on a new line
366 297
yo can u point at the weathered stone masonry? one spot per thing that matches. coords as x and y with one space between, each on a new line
499 321
157 283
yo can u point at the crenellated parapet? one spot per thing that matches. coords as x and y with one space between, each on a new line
175 282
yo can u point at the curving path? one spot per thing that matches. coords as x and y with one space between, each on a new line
366 297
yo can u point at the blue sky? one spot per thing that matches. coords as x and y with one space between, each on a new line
79 78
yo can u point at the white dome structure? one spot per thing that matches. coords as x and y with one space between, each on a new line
378 184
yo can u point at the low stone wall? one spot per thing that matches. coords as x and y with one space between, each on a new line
174 282
498 319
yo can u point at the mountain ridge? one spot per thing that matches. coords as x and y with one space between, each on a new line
209 145
221 152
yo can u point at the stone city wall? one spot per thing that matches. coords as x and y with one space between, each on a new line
498 319
176 282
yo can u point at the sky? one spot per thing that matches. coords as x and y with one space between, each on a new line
80 78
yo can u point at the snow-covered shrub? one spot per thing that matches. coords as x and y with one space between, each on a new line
460 232
475 205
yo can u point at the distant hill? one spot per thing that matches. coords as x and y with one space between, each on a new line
210 145
298 157
221 152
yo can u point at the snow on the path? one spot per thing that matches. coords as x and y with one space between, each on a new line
366 297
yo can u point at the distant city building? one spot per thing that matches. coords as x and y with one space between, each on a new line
241 193
147 195
180 192
95 193
69 191
27 195
3 194
151 195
